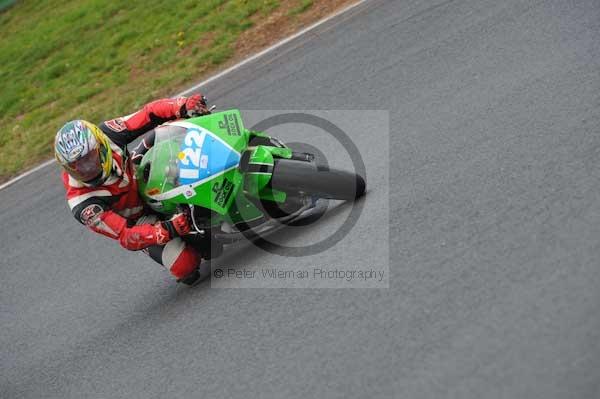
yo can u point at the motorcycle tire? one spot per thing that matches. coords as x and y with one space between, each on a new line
294 176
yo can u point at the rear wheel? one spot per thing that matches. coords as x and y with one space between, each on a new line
293 176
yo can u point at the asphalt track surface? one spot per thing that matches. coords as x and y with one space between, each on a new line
494 228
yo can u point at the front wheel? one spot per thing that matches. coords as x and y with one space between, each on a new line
294 176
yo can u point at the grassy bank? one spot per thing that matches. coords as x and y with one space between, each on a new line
94 59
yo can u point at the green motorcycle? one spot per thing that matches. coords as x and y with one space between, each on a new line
235 183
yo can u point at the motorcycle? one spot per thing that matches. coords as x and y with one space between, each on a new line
234 182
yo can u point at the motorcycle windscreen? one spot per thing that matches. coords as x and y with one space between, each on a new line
191 155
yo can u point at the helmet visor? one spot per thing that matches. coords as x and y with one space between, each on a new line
87 168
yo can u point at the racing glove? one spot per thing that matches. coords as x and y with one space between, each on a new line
178 225
194 106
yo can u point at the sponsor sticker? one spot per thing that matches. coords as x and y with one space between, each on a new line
189 192
117 125
231 124
222 192
89 213
203 161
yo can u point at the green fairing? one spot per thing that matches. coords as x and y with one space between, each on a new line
226 194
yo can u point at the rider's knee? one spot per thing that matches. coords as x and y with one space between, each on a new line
180 259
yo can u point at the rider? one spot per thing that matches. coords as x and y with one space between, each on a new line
102 191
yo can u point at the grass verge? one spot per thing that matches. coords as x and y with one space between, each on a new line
94 60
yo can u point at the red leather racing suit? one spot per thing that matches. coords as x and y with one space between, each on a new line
114 209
